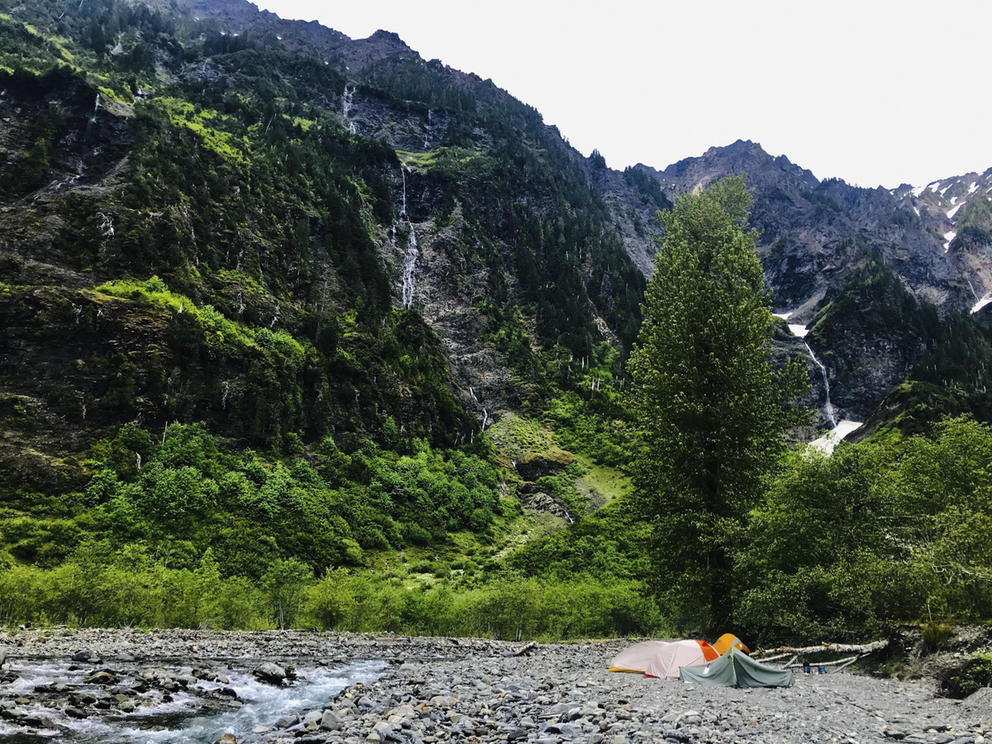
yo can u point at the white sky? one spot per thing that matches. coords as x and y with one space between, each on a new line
871 91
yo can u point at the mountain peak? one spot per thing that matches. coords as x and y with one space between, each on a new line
389 37
739 146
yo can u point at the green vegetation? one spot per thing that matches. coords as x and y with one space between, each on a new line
214 415
713 412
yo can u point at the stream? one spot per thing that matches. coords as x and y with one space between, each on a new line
197 711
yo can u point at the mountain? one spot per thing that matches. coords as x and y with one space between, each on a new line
868 274
211 214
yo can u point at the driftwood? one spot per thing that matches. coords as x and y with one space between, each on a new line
524 649
838 648
842 662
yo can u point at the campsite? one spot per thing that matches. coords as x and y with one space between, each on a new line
458 689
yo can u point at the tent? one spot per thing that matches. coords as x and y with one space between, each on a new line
726 641
737 669
637 657
672 657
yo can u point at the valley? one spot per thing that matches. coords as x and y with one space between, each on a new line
299 330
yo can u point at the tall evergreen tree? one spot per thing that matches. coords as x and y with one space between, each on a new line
713 409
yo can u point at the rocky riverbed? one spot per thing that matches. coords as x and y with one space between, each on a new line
267 687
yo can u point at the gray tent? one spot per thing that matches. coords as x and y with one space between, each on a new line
736 669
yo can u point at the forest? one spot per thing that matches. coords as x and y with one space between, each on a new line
216 414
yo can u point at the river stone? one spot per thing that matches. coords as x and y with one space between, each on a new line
329 721
226 739
103 677
271 673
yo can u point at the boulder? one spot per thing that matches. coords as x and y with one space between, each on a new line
271 673
534 465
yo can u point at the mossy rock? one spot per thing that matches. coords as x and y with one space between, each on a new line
968 678
534 465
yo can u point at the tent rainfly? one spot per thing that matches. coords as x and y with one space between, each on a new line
672 657
727 641
737 669
636 658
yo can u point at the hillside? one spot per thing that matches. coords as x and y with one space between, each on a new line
867 278
285 313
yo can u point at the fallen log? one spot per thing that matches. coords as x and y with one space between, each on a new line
838 648
844 662
524 649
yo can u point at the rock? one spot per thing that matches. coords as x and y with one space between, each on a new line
82 656
330 721
103 677
534 465
76 712
271 673
226 739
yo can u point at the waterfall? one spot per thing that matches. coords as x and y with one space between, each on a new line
826 384
347 101
485 419
403 204
409 265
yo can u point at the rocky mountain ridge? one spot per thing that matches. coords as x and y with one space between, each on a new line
459 205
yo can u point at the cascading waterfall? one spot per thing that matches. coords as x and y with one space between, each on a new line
409 266
347 101
412 251
826 385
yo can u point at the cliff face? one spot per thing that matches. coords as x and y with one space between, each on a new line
382 236
211 213
851 265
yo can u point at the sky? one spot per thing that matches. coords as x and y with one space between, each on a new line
875 92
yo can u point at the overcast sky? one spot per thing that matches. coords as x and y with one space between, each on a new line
872 91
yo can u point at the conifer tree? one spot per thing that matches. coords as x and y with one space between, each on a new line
713 409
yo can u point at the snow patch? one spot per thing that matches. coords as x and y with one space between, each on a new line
918 190
798 330
784 316
973 188
948 237
832 438
982 302
954 211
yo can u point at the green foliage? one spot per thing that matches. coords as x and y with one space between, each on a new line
875 533
972 676
936 635
712 409
508 608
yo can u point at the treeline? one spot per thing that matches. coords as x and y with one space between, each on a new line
133 589
177 494
840 546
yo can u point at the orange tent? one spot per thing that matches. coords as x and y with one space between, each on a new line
728 641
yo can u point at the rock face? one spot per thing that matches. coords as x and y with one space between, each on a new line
817 241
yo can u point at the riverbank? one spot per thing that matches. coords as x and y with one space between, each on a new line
359 688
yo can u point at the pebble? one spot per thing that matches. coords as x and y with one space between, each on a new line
438 691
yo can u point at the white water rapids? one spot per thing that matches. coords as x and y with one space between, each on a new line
182 720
